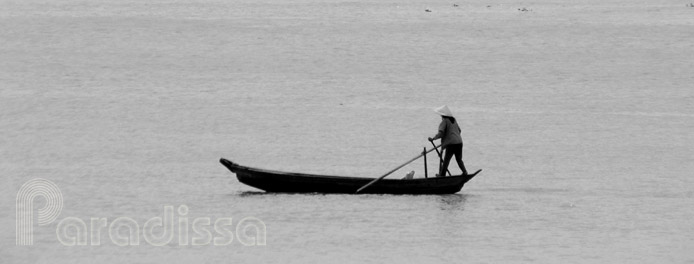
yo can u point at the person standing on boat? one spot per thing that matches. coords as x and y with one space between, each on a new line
451 142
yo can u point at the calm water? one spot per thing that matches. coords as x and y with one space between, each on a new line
581 115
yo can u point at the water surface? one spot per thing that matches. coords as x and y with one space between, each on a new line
580 115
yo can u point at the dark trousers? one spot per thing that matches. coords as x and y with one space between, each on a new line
449 151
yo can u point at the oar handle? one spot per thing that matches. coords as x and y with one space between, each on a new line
397 168
437 150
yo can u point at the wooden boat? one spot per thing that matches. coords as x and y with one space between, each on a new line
287 182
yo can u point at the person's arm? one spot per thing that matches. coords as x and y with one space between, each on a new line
442 128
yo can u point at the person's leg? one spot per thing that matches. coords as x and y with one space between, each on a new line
447 155
459 157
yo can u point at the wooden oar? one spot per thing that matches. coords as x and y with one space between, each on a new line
403 165
440 158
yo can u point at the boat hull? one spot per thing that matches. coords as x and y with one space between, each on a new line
286 182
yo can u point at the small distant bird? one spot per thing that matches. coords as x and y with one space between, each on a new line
427 10
455 5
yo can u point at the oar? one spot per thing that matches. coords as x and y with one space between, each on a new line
440 158
403 165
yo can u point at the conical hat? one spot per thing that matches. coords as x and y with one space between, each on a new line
444 111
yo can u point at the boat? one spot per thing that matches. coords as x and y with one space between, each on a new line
289 182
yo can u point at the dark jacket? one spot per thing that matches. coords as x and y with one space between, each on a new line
449 133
